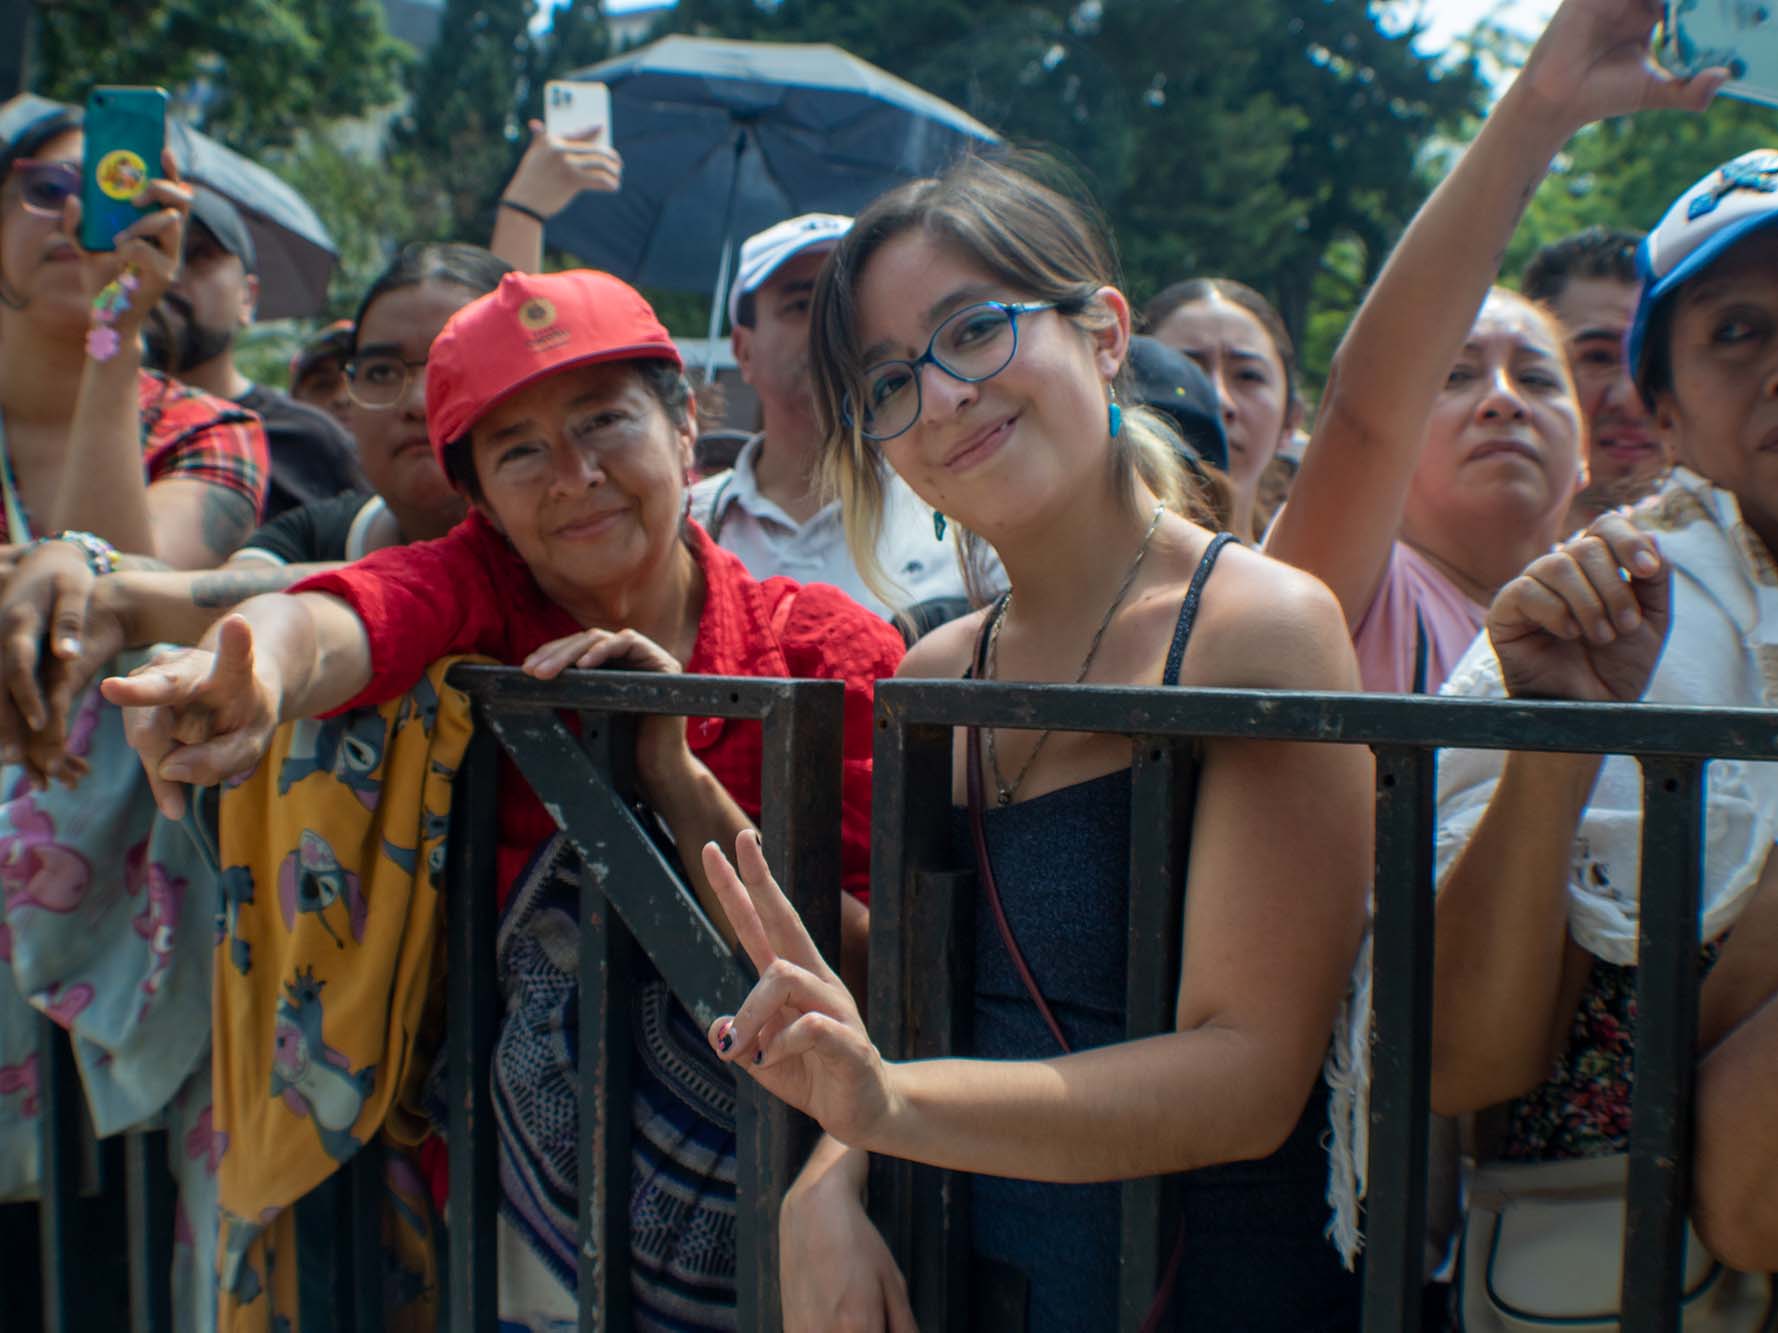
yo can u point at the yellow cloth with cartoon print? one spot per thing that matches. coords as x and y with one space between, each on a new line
327 949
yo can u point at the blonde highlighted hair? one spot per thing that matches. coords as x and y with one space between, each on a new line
1022 221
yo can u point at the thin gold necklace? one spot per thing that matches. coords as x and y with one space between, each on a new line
1004 791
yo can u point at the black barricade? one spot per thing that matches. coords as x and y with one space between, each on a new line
921 927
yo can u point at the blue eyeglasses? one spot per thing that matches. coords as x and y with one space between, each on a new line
975 344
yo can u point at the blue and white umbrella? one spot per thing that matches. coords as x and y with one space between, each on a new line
721 139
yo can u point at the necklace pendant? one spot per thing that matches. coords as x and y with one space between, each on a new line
1005 797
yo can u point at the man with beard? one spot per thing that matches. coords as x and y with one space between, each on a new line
1589 281
769 508
192 336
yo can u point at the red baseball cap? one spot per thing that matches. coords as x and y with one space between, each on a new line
530 326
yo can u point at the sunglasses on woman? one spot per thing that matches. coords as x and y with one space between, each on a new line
45 186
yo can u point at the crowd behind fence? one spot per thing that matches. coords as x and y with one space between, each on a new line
633 898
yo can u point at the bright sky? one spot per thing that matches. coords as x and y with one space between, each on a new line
1453 18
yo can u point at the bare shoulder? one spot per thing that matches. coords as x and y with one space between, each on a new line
1264 624
945 653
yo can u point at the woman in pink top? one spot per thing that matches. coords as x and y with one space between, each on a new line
1447 446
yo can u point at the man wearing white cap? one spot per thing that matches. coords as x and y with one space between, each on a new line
769 509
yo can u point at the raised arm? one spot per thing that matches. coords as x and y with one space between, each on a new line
202 715
1346 506
102 488
549 176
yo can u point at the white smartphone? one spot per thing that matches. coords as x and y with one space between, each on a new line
1741 35
577 110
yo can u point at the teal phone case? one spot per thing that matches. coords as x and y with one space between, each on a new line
1740 35
125 130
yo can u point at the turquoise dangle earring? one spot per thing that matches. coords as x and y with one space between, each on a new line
1115 416
938 526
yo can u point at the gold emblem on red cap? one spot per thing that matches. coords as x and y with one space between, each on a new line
537 313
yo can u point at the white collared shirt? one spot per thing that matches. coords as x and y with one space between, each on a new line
769 541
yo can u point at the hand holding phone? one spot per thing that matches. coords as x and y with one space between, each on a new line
577 111
1740 36
126 131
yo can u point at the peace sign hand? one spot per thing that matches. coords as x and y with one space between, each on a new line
1586 622
196 716
798 1034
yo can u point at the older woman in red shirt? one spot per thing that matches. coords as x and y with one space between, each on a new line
558 405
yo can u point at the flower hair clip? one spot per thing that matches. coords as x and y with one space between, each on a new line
102 339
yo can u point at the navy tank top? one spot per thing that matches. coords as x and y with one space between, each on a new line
1255 1258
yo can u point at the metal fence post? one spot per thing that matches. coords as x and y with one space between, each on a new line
911 804
1401 1069
472 1000
150 1201
61 1152
1163 781
799 828
1666 1044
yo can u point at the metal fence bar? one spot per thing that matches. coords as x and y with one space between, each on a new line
910 804
472 1003
670 926
1666 1044
606 984
365 1194
800 826
1401 1069
150 1202
1163 781
1429 722
61 1153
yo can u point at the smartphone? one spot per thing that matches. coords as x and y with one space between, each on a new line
1740 35
125 131
575 110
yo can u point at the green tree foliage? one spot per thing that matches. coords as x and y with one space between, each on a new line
464 119
255 73
1625 173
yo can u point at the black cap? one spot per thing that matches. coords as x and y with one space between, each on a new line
1171 382
224 221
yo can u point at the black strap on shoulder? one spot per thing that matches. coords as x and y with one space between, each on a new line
1188 609
1422 650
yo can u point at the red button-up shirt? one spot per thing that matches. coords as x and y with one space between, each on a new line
469 592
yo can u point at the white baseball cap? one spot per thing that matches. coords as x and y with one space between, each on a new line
1736 199
764 253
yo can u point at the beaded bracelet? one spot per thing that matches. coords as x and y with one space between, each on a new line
102 339
101 555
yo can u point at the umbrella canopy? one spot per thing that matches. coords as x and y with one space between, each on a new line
296 254
721 139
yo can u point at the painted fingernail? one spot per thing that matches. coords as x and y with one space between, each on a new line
759 1057
726 1041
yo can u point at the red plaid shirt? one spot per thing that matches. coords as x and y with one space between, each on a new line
190 435
469 592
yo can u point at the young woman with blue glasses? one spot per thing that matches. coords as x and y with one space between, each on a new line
969 334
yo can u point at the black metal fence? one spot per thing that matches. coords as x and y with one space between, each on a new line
922 919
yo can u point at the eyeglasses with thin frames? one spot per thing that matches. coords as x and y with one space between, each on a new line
377 383
975 344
